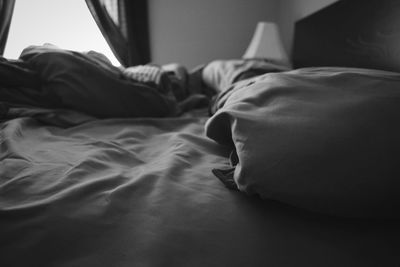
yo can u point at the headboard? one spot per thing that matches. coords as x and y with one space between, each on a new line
350 33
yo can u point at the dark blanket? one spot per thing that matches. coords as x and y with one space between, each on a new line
46 76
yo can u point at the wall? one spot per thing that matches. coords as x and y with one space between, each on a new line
292 10
193 32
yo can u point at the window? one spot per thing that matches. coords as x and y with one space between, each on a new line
65 23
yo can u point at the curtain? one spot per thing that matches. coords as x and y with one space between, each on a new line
124 25
6 11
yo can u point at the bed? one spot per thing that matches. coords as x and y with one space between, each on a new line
199 190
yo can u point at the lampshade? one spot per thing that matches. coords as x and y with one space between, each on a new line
266 44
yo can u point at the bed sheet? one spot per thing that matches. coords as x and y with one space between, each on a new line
140 192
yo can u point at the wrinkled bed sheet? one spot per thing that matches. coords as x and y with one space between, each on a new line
77 191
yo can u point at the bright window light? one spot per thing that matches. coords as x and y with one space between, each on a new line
67 24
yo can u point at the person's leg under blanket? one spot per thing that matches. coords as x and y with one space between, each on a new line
81 83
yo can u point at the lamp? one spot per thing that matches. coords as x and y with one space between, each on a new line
266 44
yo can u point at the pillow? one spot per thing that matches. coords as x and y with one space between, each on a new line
324 139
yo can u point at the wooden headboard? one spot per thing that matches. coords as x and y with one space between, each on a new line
350 33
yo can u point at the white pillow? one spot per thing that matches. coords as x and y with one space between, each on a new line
324 139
